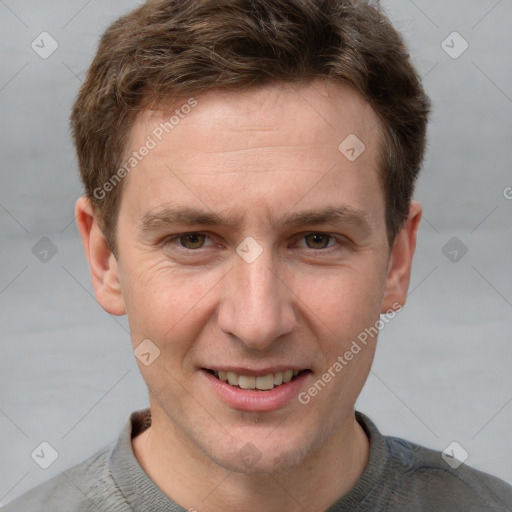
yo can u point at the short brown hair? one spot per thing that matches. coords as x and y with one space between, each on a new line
171 49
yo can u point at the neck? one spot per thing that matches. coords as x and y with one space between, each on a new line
193 481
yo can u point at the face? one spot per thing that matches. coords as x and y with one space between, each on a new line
250 243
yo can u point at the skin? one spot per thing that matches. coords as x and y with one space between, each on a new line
254 156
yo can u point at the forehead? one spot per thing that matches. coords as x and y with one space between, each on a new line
262 147
299 112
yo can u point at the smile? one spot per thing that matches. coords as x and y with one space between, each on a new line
262 383
261 390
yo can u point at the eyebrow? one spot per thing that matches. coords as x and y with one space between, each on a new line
168 216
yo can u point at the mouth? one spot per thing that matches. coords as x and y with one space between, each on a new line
265 382
264 390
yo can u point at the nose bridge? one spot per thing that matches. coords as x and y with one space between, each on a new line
258 308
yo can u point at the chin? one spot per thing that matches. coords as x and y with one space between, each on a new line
273 457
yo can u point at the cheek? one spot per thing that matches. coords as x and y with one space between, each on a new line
343 302
340 310
166 306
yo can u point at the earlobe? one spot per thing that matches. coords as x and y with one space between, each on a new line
400 263
103 265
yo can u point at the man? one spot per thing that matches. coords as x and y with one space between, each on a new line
249 168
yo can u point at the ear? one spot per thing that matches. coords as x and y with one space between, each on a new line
400 262
102 263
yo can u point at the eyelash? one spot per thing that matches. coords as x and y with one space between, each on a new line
340 241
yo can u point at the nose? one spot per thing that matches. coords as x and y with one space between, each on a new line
257 306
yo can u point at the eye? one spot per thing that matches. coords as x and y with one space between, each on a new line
318 240
192 240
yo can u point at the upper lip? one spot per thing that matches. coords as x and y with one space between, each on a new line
260 372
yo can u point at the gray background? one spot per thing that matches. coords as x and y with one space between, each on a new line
442 370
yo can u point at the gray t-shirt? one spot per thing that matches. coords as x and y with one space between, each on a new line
400 476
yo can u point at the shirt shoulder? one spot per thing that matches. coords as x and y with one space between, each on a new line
420 480
85 487
406 477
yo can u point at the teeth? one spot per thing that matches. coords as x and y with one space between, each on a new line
233 378
246 382
263 383
287 375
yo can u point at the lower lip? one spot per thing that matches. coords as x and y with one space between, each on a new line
256 401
